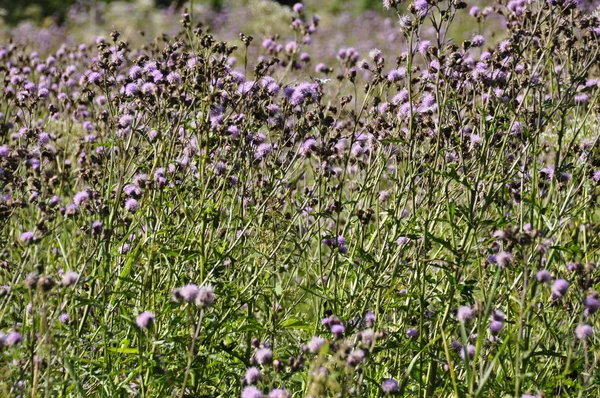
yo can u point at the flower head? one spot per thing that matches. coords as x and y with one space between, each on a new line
145 320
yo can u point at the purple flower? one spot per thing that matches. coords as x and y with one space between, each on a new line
470 351
559 288
422 7
591 305
315 344
145 320
69 278
279 393
338 330
251 392
264 356
81 197
412 333
478 41
252 375
298 8
543 276
583 331
503 259
390 386
131 205
321 68
206 296
189 292
355 357
131 89
13 338
464 314
64 318
27 237
496 327
396 75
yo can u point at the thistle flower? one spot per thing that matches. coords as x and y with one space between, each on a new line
390 386
355 357
543 276
591 305
470 351
264 356
338 330
145 320
583 331
315 344
279 393
252 375
132 205
206 296
559 288
496 327
189 292
412 333
13 338
27 237
251 392
464 314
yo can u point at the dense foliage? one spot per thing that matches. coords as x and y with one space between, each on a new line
191 217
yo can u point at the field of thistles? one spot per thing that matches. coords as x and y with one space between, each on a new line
399 203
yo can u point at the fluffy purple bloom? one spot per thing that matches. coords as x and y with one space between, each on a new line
591 305
145 320
251 392
390 386
464 314
131 205
338 330
321 68
81 197
396 75
315 344
470 351
422 7
64 318
543 276
496 327
478 41
189 292
279 393
412 333
27 237
206 296
70 278
131 89
13 338
583 331
252 375
559 288
264 356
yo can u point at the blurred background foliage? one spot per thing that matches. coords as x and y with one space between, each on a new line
56 11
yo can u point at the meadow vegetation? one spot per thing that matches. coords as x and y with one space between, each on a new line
396 203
